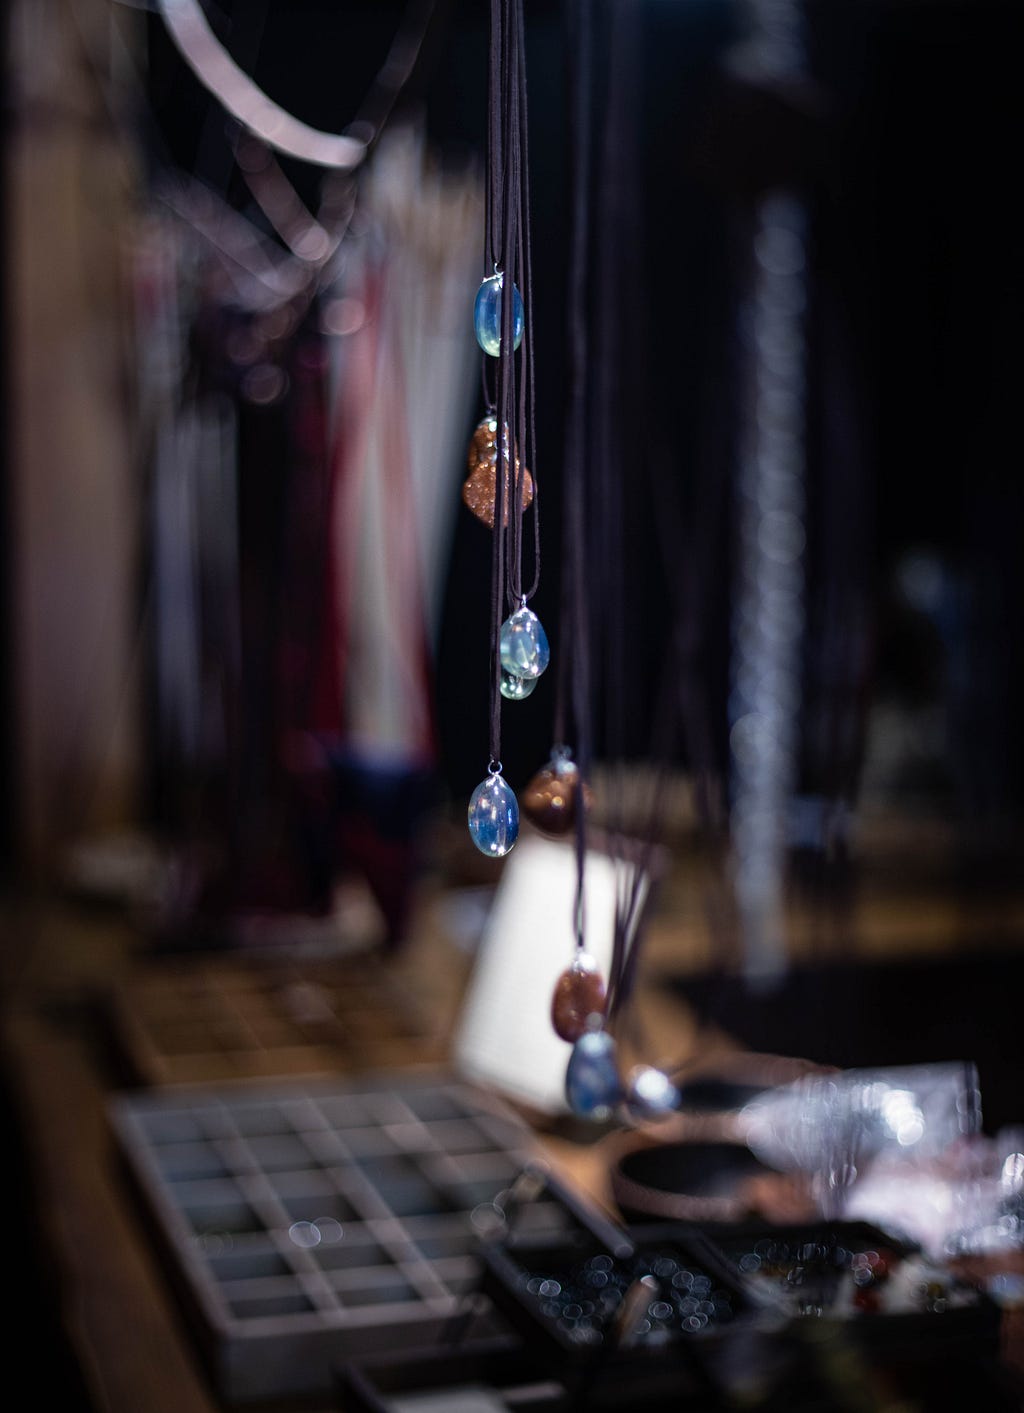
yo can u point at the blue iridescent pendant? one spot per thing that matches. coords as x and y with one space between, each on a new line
592 1084
516 688
523 644
650 1094
493 816
487 316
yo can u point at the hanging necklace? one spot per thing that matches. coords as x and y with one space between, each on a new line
585 1010
555 800
769 616
500 488
557 803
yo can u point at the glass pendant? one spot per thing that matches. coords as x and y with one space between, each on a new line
650 1094
516 688
487 315
478 489
579 994
549 801
523 644
592 1085
493 816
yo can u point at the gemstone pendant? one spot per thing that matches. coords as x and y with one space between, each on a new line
579 994
516 688
487 315
523 644
493 816
650 1094
478 489
592 1082
549 801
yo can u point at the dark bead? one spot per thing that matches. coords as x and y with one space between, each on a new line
549 801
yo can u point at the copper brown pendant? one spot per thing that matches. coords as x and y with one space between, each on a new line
549 801
579 994
478 491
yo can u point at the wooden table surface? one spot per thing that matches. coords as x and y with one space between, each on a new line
124 1330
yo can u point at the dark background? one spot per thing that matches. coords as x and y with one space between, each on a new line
906 161
905 151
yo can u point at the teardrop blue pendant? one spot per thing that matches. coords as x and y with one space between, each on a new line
523 644
487 316
592 1085
494 816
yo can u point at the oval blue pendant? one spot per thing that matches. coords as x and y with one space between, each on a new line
516 688
487 316
592 1084
493 816
650 1094
523 644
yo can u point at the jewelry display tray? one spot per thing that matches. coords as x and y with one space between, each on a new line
201 1020
970 1324
543 1366
536 1365
307 1221
606 1371
529 1278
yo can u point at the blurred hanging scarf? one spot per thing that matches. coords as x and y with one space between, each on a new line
321 350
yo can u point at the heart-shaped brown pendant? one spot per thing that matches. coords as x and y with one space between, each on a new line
478 491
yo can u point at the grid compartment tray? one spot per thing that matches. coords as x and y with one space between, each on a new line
199 1021
309 1221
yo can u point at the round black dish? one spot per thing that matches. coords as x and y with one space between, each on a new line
699 1181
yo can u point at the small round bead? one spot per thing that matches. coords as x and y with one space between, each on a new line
650 1094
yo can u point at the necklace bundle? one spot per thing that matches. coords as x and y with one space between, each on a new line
585 1007
500 488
